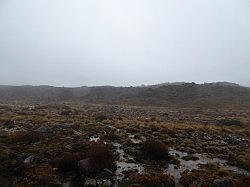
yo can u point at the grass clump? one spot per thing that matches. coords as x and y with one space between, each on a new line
42 175
244 160
147 179
101 117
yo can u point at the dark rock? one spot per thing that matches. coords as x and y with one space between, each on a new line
106 184
8 124
18 171
109 127
230 122
177 167
85 167
190 157
106 173
4 181
42 129
165 114
223 182
90 183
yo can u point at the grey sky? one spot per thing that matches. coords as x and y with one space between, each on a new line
124 42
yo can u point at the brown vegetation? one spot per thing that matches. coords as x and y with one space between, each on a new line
155 150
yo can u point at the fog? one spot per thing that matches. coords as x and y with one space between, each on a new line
124 42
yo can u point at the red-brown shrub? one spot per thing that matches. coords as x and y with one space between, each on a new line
101 156
155 150
25 137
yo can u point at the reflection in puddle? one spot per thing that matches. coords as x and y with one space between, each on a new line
136 140
94 139
133 139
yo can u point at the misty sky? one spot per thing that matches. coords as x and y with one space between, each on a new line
124 42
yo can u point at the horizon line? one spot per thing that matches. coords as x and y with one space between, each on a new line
126 86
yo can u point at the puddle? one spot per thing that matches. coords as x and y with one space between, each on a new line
133 139
94 139
190 164
124 164
136 140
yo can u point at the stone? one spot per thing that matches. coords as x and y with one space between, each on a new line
29 160
223 182
109 127
106 173
90 183
76 133
190 157
106 183
85 167
9 124
165 114
42 129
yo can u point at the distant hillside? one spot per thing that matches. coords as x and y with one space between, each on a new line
220 94
34 94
